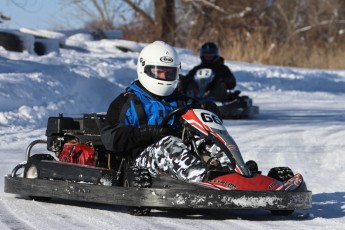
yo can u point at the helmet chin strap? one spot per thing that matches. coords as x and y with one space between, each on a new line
150 93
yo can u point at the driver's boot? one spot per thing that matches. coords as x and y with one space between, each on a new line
213 164
213 169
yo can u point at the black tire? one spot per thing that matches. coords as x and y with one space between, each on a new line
253 166
11 42
40 48
281 174
140 178
31 171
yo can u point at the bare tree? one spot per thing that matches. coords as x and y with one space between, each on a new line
165 19
218 20
229 23
159 20
246 30
99 14
162 25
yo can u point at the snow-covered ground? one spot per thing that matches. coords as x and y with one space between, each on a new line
301 125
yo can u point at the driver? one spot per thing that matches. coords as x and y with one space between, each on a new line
132 124
223 80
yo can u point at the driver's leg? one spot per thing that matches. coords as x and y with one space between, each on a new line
170 155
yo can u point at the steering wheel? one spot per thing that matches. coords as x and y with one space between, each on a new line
178 112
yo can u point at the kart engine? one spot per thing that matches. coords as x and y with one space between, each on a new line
78 153
75 140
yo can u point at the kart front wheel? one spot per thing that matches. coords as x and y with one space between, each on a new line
140 178
281 174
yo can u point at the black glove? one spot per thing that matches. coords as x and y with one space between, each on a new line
156 132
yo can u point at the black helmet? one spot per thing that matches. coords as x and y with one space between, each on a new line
209 52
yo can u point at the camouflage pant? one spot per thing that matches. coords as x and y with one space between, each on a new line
170 155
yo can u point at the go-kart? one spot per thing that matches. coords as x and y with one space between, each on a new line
83 170
233 106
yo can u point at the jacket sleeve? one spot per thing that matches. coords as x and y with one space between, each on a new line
115 134
229 78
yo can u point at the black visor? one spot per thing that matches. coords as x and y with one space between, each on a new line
164 73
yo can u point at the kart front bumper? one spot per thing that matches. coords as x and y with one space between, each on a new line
191 197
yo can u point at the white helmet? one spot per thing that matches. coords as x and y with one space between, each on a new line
156 58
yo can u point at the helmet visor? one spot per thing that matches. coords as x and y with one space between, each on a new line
165 73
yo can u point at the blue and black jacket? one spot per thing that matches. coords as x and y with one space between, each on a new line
131 111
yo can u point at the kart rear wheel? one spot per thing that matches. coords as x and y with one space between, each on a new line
281 174
31 171
140 178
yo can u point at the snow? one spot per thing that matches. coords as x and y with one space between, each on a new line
45 34
301 125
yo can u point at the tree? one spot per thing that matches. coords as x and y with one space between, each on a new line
245 30
102 14
162 25
99 14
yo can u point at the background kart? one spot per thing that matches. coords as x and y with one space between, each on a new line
233 106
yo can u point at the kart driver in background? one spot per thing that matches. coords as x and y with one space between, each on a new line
223 80
133 121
